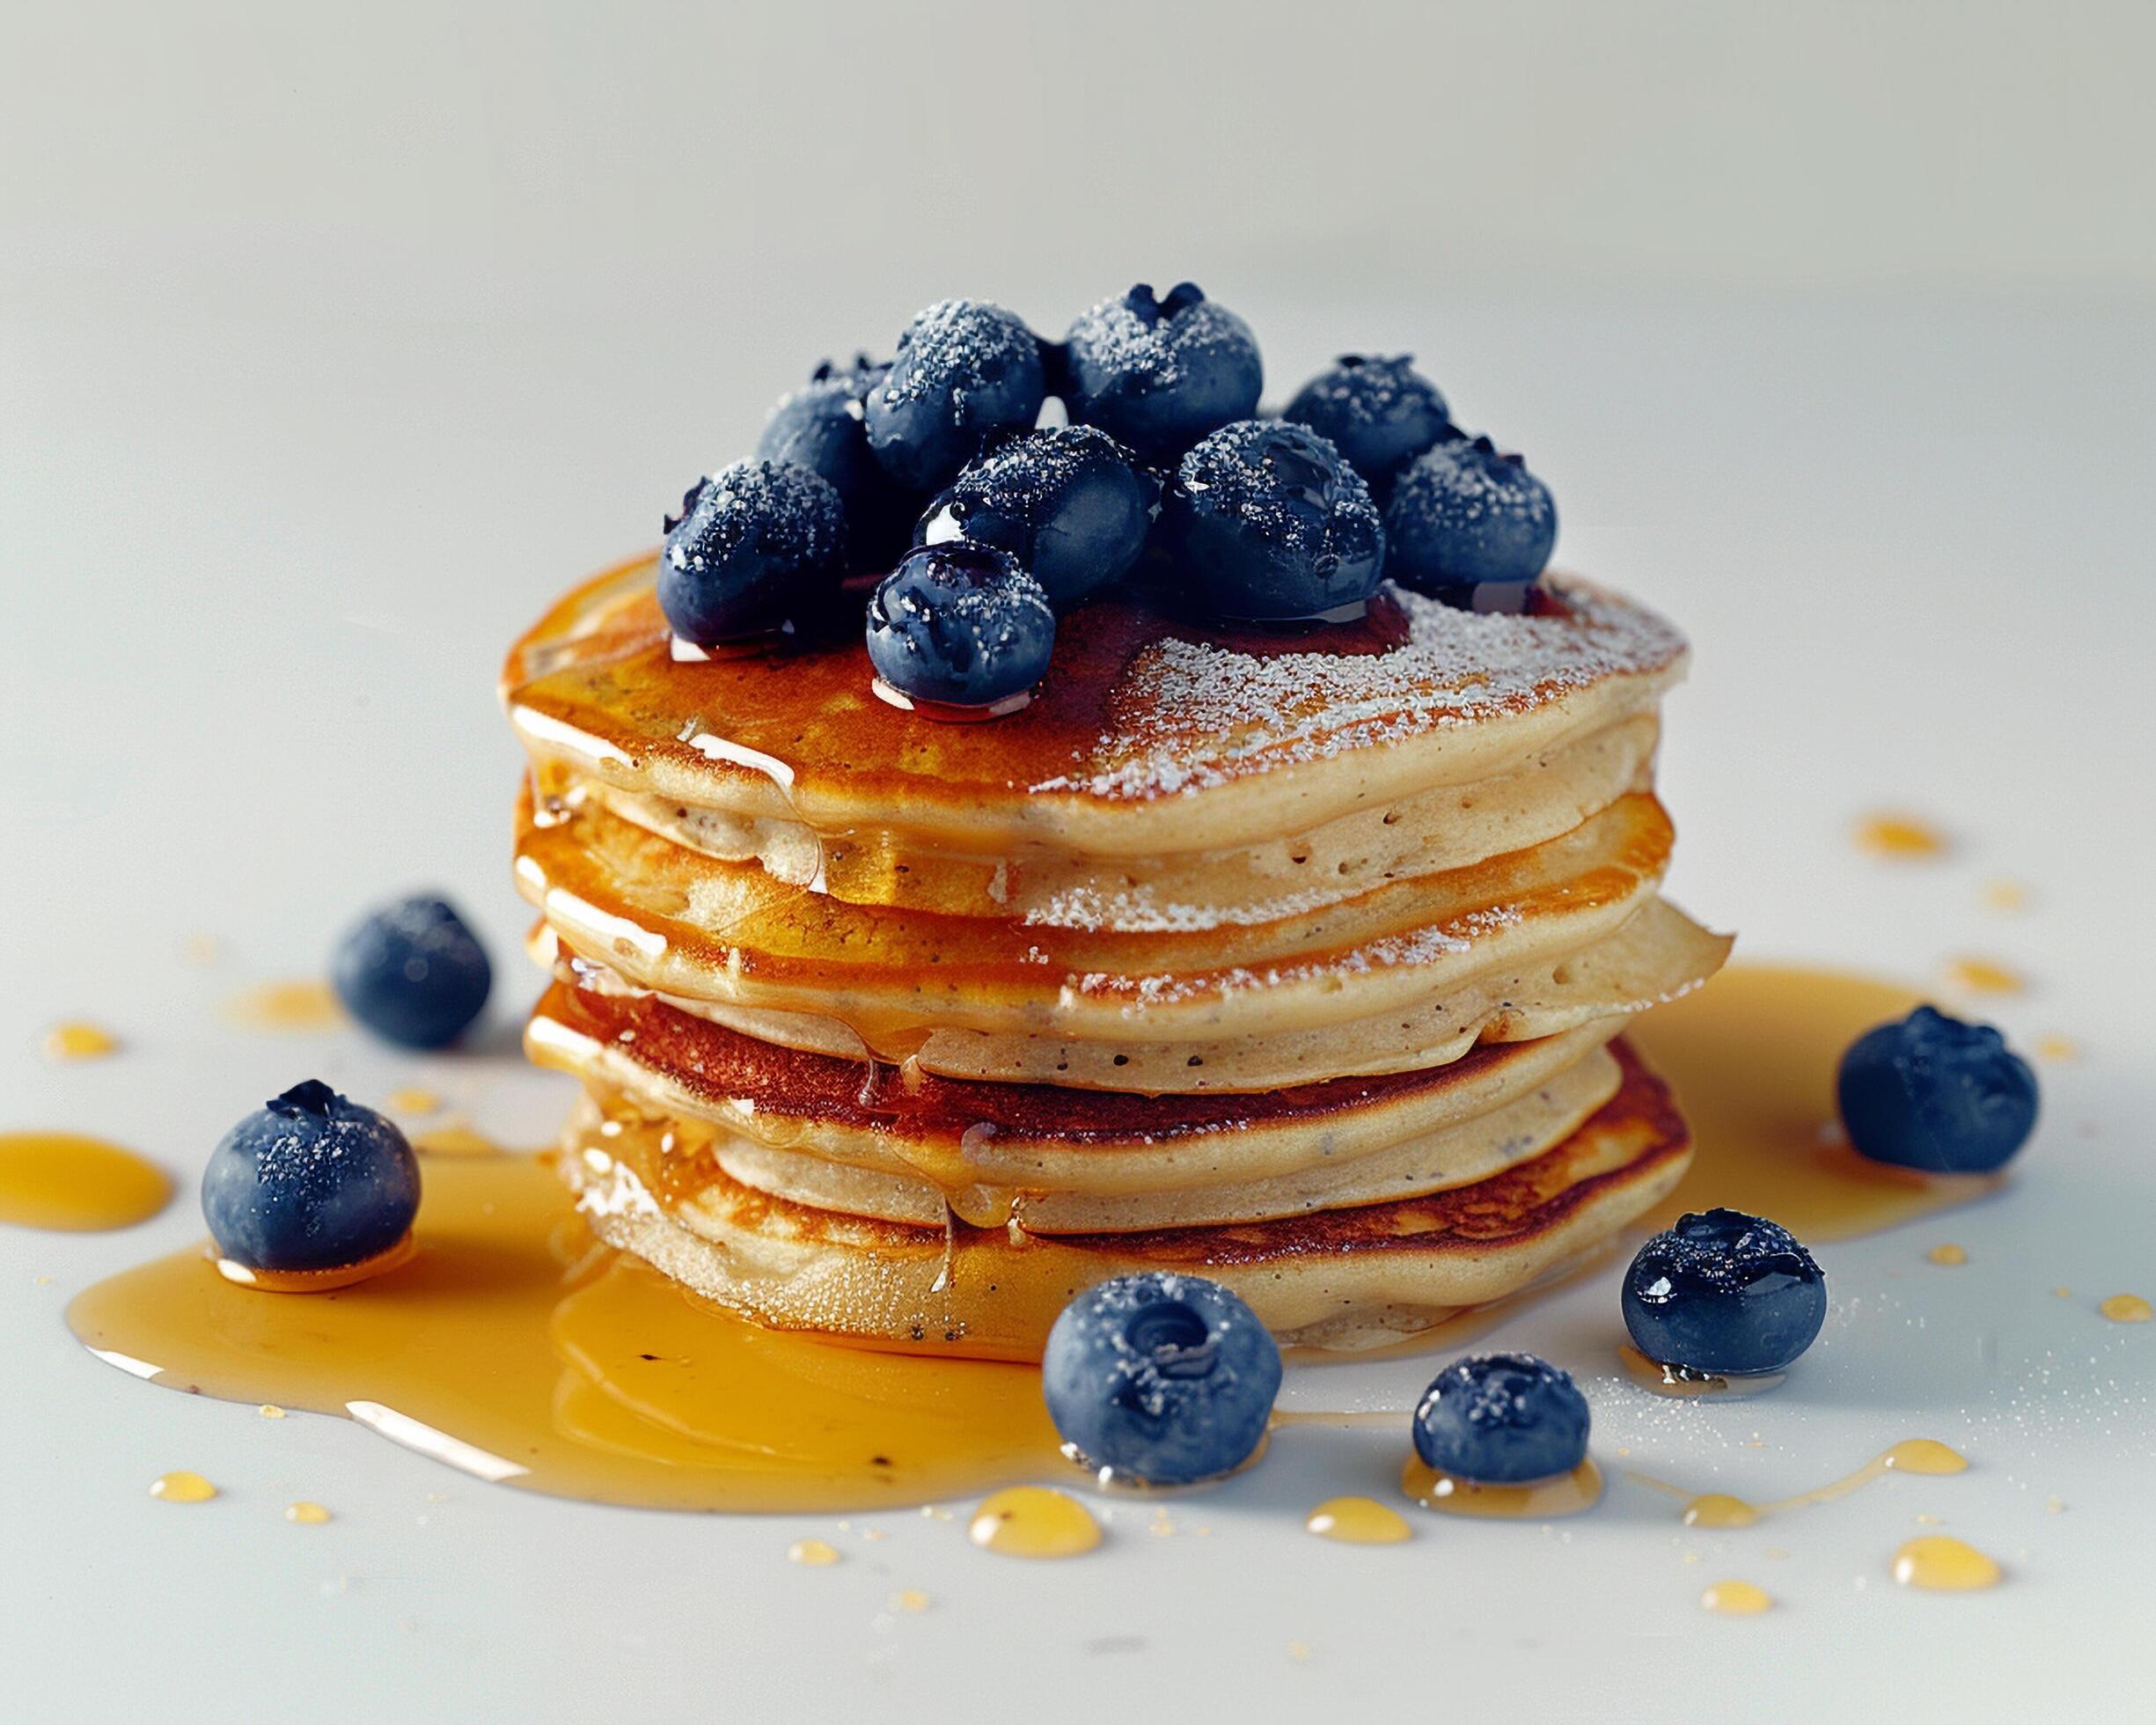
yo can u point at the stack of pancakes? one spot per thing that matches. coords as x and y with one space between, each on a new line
1297 960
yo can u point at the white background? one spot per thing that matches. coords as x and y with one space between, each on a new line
334 342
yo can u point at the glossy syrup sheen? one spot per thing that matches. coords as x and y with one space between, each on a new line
66 1182
513 1347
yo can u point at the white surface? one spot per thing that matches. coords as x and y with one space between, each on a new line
279 481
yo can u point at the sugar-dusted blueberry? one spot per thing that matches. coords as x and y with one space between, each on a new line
965 371
1265 522
310 1181
1378 412
759 545
1934 1093
1726 1293
1157 374
1501 1420
1161 1378
822 426
1464 515
960 624
1066 502
411 972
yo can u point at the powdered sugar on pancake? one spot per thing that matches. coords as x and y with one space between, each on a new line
1188 712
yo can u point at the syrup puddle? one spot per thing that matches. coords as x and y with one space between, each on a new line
1682 1383
66 1183
515 1348
1720 1509
1034 1522
1538 1500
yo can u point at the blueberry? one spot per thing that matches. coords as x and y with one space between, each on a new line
1265 521
823 427
1380 414
412 973
961 624
1158 374
1501 1420
759 545
965 371
1165 1379
1934 1093
1067 502
1462 515
1726 1293
310 1181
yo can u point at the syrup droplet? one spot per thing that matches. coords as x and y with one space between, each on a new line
1358 1521
305 1513
1682 1383
1720 1509
1736 1599
816 1553
182 1486
1033 1521
414 1101
1540 1499
78 1042
286 1006
1947 1253
270 1410
1925 1454
1903 837
2127 1309
62 1181
1940 1563
1982 976
2005 896
2058 1050
909 1599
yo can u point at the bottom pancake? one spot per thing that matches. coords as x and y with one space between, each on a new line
1338 1279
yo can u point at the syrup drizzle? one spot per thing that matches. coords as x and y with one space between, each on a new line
1720 1509
1538 1500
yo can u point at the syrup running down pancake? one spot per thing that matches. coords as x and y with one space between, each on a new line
1295 957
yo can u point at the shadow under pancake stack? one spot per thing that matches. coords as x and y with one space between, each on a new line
1297 959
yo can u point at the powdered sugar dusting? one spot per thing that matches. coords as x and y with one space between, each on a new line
1189 714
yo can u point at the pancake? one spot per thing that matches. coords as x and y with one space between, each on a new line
1658 956
1342 1278
1147 739
1030 1137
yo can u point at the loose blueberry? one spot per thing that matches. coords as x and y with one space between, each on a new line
1726 1293
1501 1420
1464 515
1934 1093
965 371
1065 502
822 426
759 545
960 624
1158 374
412 973
1165 1379
1380 414
310 1181
1265 522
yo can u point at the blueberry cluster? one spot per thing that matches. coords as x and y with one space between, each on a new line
1166 479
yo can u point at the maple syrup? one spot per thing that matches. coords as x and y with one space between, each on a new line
1683 1384
1539 1501
2127 1309
1983 976
79 1042
1940 1563
1736 1599
181 1486
815 1554
1948 1255
71 1183
1034 1521
306 1515
1900 837
298 1006
1720 1509
1358 1521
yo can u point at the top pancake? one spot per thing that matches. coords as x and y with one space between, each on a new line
1148 737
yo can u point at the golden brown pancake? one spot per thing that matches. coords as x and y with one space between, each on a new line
1355 1276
